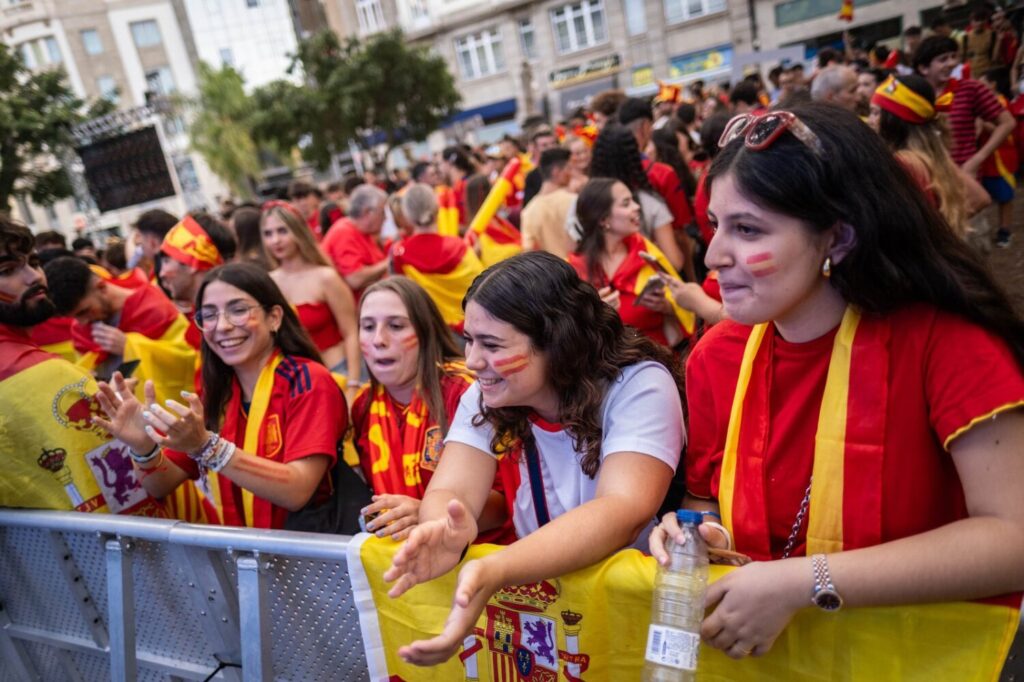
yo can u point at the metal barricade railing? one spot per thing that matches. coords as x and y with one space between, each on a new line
97 597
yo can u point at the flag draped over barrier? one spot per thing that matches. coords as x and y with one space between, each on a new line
592 625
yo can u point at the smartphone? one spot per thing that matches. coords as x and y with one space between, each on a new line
655 285
654 263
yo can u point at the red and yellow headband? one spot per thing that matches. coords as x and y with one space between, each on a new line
188 243
902 102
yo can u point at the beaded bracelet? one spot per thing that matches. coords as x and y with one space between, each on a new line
221 454
201 454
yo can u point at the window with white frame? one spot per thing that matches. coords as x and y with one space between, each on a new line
684 10
636 17
227 57
107 87
480 54
41 52
419 11
91 41
527 39
579 25
145 33
370 16
160 81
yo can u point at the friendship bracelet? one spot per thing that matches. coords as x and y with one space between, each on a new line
221 455
140 458
202 453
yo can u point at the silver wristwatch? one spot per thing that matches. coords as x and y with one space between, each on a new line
825 596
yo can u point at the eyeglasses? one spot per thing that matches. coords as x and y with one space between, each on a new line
237 314
760 131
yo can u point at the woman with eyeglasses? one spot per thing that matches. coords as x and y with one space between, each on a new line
263 437
322 300
596 409
857 425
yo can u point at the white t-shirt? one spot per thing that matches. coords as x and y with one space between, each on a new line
655 212
641 413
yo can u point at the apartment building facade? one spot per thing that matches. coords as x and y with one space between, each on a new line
513 58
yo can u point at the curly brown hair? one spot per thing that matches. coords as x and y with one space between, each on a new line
586 344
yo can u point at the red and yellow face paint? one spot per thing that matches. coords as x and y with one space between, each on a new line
511 365
762 264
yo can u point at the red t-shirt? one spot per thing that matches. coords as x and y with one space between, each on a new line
944 373
666 182
351 250
307 415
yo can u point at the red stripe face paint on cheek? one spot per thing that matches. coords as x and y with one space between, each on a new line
511 365
762 264
410 343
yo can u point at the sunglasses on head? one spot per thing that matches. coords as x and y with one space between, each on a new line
759 131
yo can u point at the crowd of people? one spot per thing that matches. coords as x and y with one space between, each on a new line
544 342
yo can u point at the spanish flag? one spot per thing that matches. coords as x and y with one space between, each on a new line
54 456
592 624
687 320
668 93
443 266
846 11
902 102
503 186
499 240
155 332
448 212
54 336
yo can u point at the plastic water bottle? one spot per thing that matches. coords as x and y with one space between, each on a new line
677 608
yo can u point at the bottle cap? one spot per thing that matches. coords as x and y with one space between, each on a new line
688 516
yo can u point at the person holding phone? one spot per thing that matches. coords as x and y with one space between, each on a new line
609 257
596 409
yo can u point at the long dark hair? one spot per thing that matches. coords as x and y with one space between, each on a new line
436 345
593 205
586 344
666 145
616 155
290 338
905 251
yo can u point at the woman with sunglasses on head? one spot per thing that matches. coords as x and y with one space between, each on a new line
849 444
608 256
263 437
322 300
903 112
594 406
401 417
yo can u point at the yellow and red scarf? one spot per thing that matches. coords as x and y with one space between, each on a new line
846 496
902 102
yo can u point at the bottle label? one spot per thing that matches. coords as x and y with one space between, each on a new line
672 647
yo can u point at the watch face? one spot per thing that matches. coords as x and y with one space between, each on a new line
828 600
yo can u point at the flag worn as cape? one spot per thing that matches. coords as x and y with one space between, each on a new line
443 266
592 625
54 457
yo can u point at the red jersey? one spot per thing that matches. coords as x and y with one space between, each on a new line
935 391
666 182
351 250
305 415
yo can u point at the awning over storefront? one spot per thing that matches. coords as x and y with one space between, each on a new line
495 111
705 64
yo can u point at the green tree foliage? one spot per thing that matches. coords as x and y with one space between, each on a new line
220 129
37 111
354 89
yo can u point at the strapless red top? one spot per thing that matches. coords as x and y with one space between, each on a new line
319 322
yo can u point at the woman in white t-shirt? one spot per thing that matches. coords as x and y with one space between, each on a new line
597 409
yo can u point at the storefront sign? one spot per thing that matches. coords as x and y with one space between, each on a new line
643 76
695 63
595 68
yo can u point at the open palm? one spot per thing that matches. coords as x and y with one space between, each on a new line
124 411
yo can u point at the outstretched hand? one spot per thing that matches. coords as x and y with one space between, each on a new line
477 582
124 412
433 548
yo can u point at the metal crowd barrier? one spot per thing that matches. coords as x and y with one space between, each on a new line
94 597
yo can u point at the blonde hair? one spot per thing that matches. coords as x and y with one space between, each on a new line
303 236
419 205
927 146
